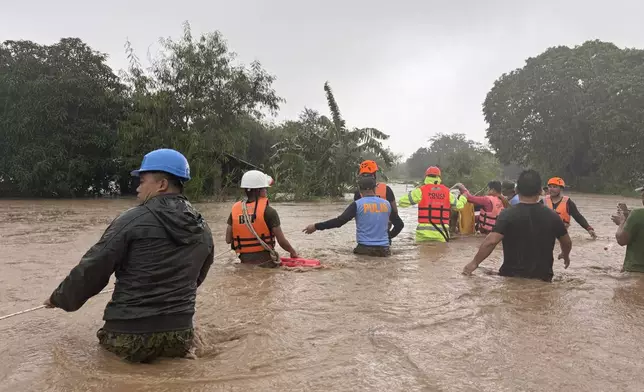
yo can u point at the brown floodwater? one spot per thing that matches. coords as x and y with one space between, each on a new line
410 322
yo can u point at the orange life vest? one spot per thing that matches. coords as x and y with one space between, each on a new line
381 190
434 206
487 220
562 208
243 239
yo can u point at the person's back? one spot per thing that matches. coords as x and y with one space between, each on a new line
529 233
372 221
160 252
168 242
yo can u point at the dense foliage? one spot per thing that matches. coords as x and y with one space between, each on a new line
71 127
573 112
460 160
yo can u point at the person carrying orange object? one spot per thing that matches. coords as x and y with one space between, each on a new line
253 217
491 205
563 206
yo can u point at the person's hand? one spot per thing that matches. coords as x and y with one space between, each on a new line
461 187
591 231
48 304
618 219
566 259
294 255
469 268
310 229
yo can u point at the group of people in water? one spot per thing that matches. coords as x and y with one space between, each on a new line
161 250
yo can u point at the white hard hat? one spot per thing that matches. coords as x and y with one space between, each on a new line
255 179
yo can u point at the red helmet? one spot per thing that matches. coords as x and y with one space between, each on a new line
433 171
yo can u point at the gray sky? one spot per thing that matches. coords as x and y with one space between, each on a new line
410 68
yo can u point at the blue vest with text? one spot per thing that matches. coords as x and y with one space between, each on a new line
372 221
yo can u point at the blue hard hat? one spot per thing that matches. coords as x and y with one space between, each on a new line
165 160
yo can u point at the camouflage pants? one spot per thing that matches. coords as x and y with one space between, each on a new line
375 251
146 347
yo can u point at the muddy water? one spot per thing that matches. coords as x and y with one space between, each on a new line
408 323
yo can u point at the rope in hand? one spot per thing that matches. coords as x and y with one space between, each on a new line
42 306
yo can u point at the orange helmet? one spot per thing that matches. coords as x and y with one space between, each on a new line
556 181
433 171
368 167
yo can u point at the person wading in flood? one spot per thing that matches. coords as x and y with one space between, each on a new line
435 203
252 218
383 191
563 206
372 215
630 233
160 252
528 231
491 205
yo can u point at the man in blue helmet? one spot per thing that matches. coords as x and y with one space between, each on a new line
160 252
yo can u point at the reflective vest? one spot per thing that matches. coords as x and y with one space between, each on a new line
434 206
487 220
244 241
562 208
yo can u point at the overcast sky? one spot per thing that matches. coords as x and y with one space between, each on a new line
410 68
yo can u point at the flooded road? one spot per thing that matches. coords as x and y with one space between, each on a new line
411 322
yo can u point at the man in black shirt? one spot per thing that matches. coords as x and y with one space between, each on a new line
528 231
564 206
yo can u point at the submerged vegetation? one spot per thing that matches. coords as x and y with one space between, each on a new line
72 127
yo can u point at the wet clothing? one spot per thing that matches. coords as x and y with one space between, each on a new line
514 200
147 347
351 212
573 211
373 251
529 233
634 226
487 219
272 219
426 231
160 252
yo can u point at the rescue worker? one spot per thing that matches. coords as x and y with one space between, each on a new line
264 223
508 189
383 191
491 205
435 203
372 214
160 252
563 206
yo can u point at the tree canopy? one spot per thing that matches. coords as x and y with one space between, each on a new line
71 127
574 113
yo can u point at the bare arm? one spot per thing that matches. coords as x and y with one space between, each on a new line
566 246
622 236
229 234
486 248
281 239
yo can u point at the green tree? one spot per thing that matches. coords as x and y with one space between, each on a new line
319 156
60 107
460 160
195 99
572 112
